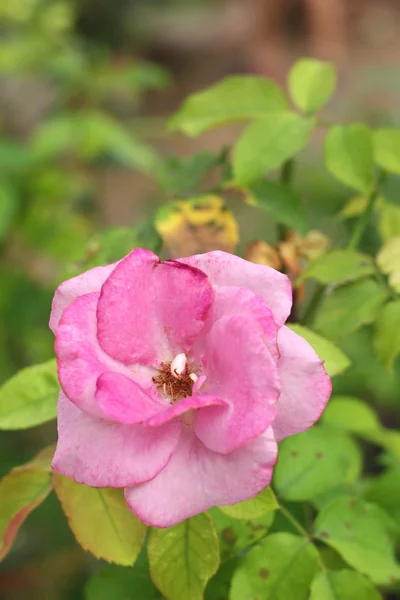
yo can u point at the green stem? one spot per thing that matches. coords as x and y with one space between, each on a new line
366 215
293 521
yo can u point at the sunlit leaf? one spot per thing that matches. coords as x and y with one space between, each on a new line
339 266
387 334
266 144
197 225
281 202
387 149
311 84
389 221
312 462
101 520
388 260
359 532
349 155
29 398
235 98
254 508
343 585
349 307
335 360
184 557
21 491
280 567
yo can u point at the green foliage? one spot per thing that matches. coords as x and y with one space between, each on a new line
267 143
349 155
236 98
313 462
387 149
360 532
387 334
184 557
94 510
339 266
345 584
311 84
282 566
335 360
254 508
30 397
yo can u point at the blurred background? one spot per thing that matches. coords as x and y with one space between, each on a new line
86 87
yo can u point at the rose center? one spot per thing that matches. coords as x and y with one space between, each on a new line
176 378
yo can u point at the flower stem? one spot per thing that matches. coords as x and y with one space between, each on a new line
293 521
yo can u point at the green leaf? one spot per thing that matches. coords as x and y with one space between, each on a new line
385 492
388 260
335 360
389 221
359 532
281 202
281 567
340 266
349 155
266 144
182 176
349 307
312 462
122 583
9 204
311 83
387 334
235 98
387 149
254 508
343 585
101 520
29 398
236 535
21 491
350 414
184 557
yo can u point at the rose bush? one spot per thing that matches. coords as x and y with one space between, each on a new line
178 379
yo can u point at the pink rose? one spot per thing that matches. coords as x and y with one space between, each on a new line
178 378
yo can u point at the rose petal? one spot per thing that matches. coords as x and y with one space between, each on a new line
80 358
188 404
150 311
226 269
86 283
306 387
196 479
105 454
241 371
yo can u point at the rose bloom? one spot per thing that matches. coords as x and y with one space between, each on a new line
178 379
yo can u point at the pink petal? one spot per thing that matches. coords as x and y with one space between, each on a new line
226 269
186 405
104 454
306 387
80 358
240 370
88 282
196 479
123 400
150 311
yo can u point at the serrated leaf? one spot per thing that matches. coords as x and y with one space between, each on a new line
359 532
29 398
21 491
183 558
311 83
387 149
235 98
254 508
100 520
349 155
280 567
314 461
266 144
235 535
349 307
387 334
335 360
281 202
343 585
339 266
197 225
